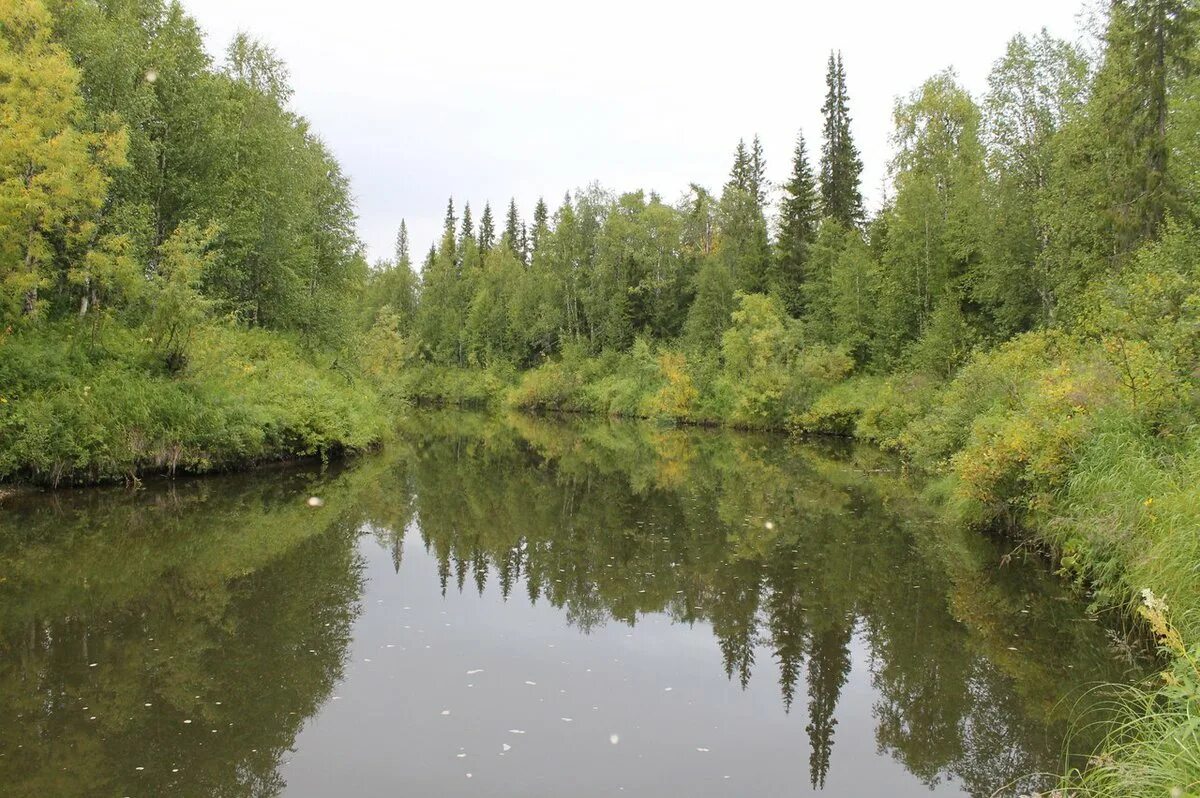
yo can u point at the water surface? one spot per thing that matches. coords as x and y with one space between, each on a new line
525 607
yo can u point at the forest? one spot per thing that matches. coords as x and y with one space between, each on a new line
182 289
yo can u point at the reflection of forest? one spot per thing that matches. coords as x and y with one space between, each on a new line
787 551
232 591
217 615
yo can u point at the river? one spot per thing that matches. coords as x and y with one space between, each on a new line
516 606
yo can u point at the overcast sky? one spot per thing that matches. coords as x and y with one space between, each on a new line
488 100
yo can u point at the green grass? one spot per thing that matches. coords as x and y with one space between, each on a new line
77 410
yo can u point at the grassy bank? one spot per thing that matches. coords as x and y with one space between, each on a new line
78 409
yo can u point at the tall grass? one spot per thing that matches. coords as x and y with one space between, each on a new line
1153 746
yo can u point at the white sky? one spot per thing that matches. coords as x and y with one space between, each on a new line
484 100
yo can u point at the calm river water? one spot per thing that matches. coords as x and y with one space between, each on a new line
532 607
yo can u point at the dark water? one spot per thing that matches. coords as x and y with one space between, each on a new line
530 607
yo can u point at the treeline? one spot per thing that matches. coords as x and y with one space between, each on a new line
145 182
1004 213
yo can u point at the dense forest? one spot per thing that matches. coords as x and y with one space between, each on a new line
182 287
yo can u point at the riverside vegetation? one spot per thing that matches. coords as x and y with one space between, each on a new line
182 289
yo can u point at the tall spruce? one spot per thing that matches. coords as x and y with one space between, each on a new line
512 228
487 230
468 227
841 167
799 216
449 225
403 258
1147 42
541 225
758 172
745 246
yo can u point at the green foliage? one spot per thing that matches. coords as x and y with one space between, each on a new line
75 412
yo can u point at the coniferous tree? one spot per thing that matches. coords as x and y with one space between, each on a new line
468 227
758 172
1112 183
487 230
799 215
512 228
744 241
841 168
402 247
541 222
449 229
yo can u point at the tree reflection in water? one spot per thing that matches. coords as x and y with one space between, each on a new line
229 603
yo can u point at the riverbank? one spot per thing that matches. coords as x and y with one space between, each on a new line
81 409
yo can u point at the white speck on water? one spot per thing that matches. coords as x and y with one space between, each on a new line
668 689
366 659
531 684
566 720
390 645
614 738
445 712
702 750
474 671
337 698
468 775
516 731
461 756
505 747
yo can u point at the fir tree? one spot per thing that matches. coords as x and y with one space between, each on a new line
799 215
758 173
448 228
541 225
468 226
512 228
487 230
402 251
743 223
841 168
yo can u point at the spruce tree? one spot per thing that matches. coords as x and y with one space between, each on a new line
841 168
512 228
758 173
402 252
541 225
799 215
487 230
468 226
745 247
448 227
